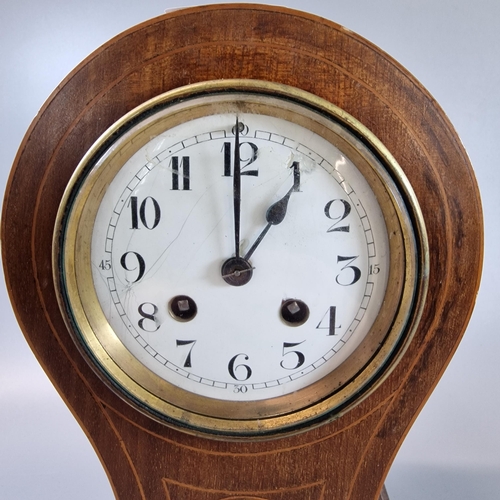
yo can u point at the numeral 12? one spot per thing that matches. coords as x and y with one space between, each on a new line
245 162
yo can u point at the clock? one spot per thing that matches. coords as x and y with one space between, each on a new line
240 258
244 244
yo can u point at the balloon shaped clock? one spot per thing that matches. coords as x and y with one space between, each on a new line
244 244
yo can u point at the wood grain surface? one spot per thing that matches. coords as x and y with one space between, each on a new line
348 458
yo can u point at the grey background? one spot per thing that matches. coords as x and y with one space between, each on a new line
452 46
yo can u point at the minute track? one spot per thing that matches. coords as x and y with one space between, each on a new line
257 137
311 310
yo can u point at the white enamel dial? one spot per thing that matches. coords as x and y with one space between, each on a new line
166 226
236 256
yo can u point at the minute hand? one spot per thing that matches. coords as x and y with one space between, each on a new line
274 216
237 190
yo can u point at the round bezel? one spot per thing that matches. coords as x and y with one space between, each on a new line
345 386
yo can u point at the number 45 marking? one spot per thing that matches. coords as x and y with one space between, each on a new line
328 321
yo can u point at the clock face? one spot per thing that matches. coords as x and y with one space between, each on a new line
165 227
236 257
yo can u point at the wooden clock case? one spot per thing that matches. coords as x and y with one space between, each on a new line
349 457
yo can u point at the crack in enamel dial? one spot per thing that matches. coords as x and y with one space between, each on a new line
238 262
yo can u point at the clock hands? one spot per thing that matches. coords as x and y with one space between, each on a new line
237 270
277 211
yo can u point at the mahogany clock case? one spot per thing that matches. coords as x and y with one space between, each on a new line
250 42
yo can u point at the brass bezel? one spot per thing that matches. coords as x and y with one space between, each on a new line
331 396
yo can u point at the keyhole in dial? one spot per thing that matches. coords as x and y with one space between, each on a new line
294 312
182 308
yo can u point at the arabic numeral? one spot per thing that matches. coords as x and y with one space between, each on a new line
181 173
299 356
296 176
140 265
149 322
248 154
240 389
148 212
349 274
187 361
105 265
239 372
329 321
338 210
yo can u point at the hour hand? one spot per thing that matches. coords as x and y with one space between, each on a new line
277 211
237 270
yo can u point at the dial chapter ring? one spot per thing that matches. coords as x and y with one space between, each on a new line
326 398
